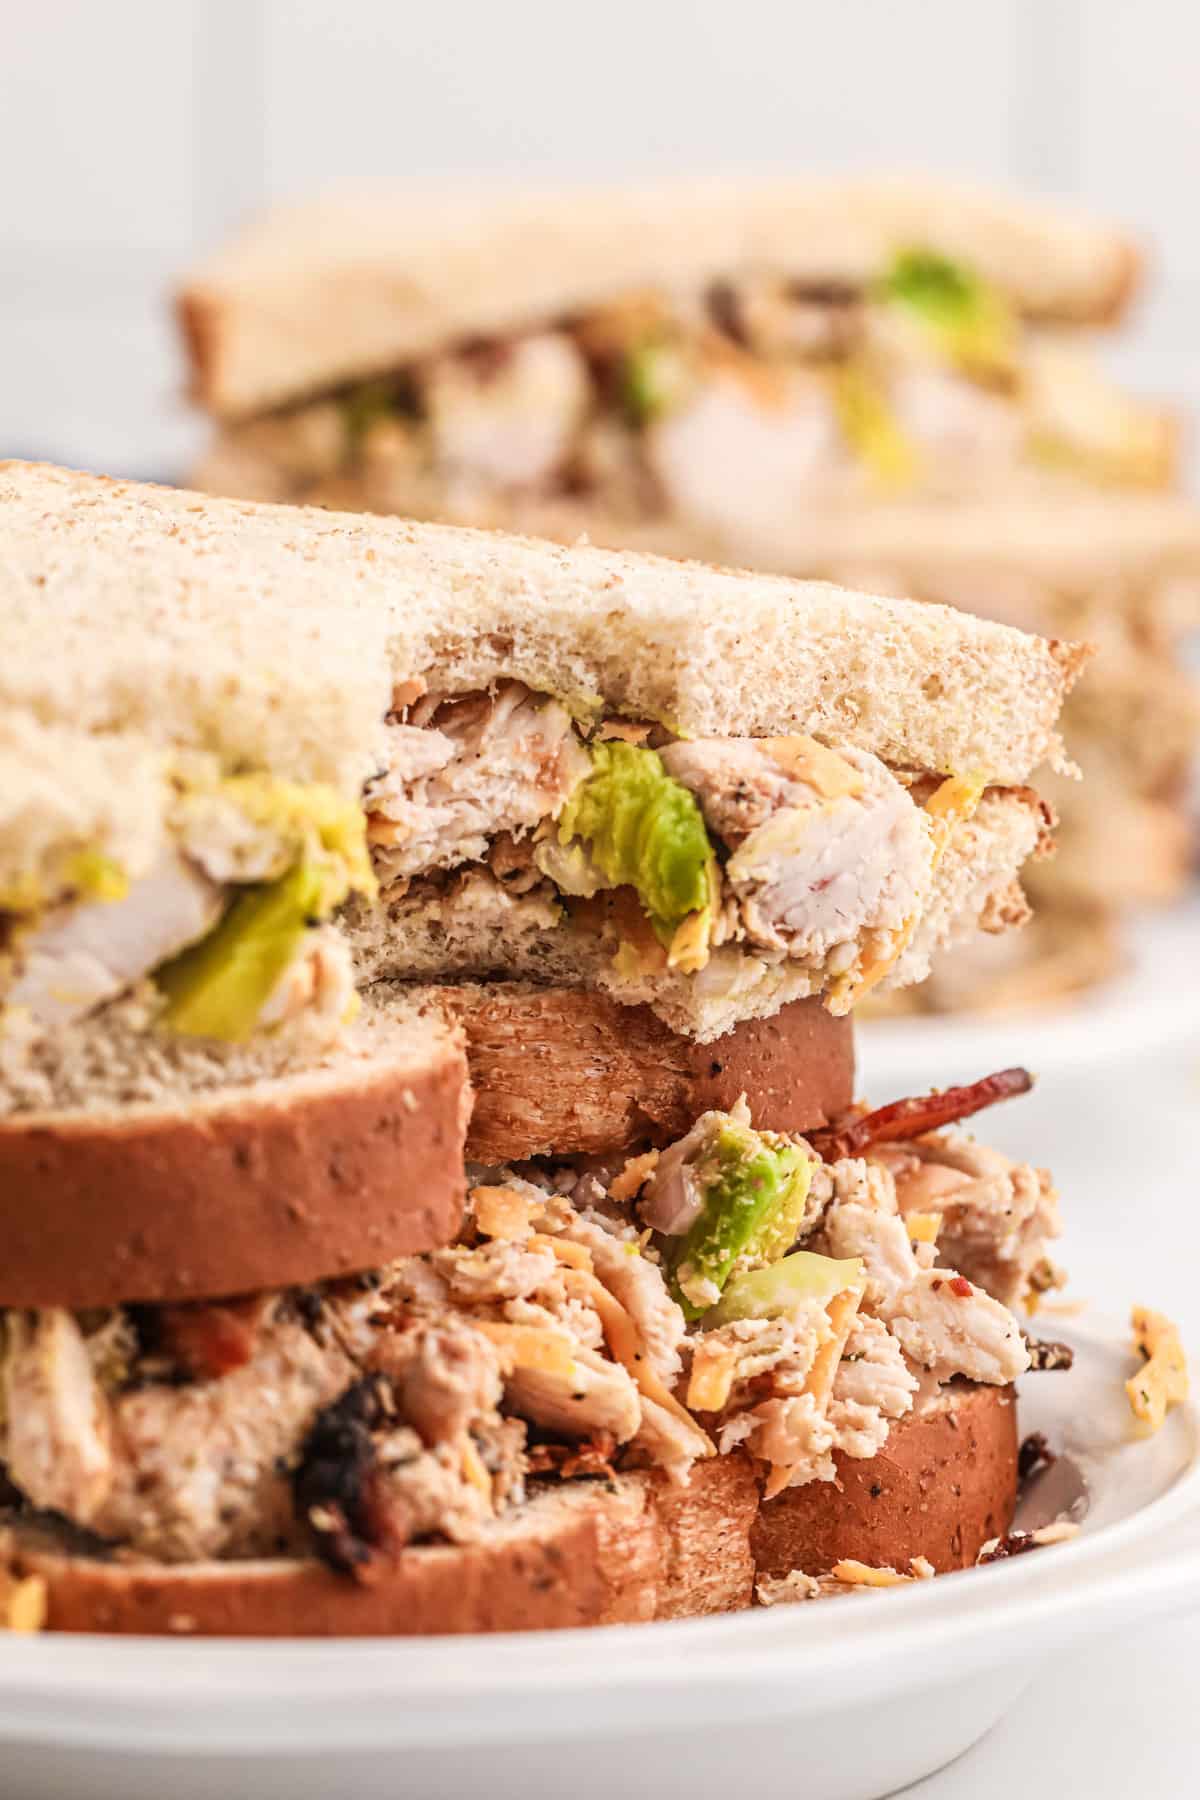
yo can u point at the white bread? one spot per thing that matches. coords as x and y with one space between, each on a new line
349 284
178 1171
566 1072
422 937
586 1553
271 635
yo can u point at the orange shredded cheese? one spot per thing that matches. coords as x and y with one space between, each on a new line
621 1336
533 1347
923 1228
474 1471
713 1368
1162 1382
501 1212
857 1574
23 1603
823 769
574 1256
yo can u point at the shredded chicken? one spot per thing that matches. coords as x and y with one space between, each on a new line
597 1395
507 420
467 770
949 1328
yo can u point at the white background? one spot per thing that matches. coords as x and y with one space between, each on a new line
134 132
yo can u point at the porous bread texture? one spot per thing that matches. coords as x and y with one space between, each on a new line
319 292
424 937
113 1062
273 634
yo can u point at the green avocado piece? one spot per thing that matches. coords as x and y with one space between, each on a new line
653 379
971 320
218 987
755 1185
767 1293
320 825
643 830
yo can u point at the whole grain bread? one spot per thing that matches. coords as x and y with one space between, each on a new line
272 636
270 1180
568 1072
585 1553
346 285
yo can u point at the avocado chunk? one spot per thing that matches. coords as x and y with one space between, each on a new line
218 987
755 1185
316 825
643 830
972 322
653 380
768 1293
870 427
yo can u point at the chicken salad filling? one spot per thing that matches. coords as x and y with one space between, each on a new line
735 1291
723 408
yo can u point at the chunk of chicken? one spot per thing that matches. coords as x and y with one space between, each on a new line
471 769
58 1440
827 847
640 1287
998 1217
508 421
948 1327
962 429
872 1387
732 463
668 1442
445 1375
85 954
598 1395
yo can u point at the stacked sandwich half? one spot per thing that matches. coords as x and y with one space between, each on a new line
887 383
433 1194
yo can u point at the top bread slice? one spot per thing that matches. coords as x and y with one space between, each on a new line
350 284
273 636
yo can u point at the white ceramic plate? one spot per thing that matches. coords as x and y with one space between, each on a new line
838 1700
1151 1006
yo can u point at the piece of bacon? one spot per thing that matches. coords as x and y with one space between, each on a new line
211 1338
914 1117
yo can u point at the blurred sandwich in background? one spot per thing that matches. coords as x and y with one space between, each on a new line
885 382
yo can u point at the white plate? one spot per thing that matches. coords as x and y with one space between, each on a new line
1151 1006
839 1700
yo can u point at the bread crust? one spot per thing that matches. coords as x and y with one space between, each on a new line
563 1071
943 1484
586 1554
271 1185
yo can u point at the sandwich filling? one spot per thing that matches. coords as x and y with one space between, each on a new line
500 833
736 1291
721 409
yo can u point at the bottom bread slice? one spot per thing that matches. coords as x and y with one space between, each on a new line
590 1552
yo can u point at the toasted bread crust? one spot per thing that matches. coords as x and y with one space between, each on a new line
273 1185
562 1071
585 1554
944 1483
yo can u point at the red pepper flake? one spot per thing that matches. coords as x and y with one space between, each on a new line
936 1283
962 1287
906 1119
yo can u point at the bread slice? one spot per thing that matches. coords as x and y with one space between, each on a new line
567 1072
423 937
272 637
943 1484
320 292
266 1179
585 1553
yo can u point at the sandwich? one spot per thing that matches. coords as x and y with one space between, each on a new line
428 967
676 367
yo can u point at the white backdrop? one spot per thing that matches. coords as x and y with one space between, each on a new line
135 131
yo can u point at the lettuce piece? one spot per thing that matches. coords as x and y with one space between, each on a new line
755 1185
653 381
643 830
768 1293
218 987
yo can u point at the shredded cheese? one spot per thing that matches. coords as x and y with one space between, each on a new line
621 1336
474 1471
501 1212
1163 1380
857 1574
823 769
533 1347
713 1368
574 1256
636 1171
840 1314
24 1604
923 1228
